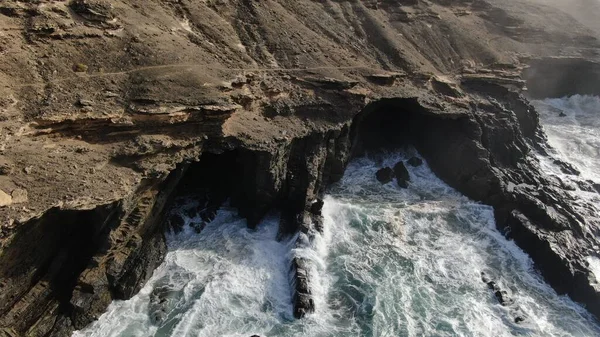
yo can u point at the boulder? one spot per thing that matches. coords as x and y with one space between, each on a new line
402 175
317 206
566 168
19 196
385 175
5 199
501 295
415 161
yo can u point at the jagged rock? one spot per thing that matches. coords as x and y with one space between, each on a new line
567 168
169 67
317 206
415 161
385 175
19 196
302 297
402 175
5 199
501 295
94 10
519 319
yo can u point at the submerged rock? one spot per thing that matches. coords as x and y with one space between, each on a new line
501 295
566 168
385 175
415 161
402 175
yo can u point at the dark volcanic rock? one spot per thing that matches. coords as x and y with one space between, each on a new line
566 168
317 206
402 175
302 298
501 295
385 175
263 137
415 161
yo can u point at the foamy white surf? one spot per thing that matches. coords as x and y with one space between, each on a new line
574 135
392 262
572 125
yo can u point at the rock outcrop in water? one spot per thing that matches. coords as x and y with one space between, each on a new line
107 108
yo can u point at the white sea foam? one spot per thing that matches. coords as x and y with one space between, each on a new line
391 262
576 134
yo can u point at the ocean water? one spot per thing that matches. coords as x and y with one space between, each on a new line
390 262
572 125
574 135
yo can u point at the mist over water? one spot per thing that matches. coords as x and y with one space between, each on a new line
391 262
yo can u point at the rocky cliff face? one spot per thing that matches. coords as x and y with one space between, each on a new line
106 105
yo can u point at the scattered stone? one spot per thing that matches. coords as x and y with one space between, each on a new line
402 175
385 175
5 199
6 167
28 169
80 68
415 161
93 10
84 102
19 196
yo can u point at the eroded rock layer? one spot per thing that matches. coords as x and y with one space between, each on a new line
105 105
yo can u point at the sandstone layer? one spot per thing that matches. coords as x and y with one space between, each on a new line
108 108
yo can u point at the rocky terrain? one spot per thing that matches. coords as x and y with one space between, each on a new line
108 109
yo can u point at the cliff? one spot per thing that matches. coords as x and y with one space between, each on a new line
105 106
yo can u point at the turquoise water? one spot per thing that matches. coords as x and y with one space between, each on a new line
391 262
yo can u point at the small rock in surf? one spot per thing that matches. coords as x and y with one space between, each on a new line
401 174
385 175
415 161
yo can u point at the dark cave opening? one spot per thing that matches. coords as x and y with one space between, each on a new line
387 124
213 177
209 182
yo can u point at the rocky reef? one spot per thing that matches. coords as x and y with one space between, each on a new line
109 109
